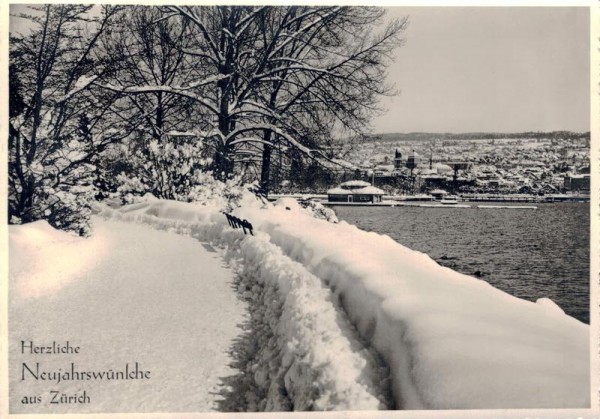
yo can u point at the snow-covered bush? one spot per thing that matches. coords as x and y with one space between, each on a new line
55 131
69 209
57 185
313 208
172 168
318 210
226 195
168 168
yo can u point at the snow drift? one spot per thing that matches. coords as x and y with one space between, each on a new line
160 300
304 354
450 341
46 259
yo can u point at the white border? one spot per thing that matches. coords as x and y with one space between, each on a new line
594 412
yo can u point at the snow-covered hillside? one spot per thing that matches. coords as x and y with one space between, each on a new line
446 339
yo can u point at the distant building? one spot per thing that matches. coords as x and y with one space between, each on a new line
383 170
494 183
438 193
355 191
433 181
442 168
580 183
584 169
398 159
413 160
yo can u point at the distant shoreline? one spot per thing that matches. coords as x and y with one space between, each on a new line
389 200
537 135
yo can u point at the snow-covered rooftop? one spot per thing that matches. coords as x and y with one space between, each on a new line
365 190
355 183
438 192
338 191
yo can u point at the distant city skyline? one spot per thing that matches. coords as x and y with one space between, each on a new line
491 69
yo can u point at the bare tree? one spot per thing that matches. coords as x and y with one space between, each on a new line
325 68
265 69
53 136
162 158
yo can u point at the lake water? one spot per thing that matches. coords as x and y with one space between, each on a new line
527 253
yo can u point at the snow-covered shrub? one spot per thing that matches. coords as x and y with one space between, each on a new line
56 119
318 210
168 168
226 195
58 184
172 168
70 209
310 207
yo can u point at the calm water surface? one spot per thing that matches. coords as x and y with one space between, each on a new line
527 253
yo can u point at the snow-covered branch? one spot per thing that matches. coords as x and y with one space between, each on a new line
82 83
166 89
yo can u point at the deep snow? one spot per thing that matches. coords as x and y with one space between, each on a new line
127 294
302 353
344 319
449 340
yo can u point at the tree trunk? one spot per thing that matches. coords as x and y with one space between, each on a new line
223 162
266 164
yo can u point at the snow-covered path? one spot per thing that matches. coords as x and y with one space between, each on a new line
128 295
338 318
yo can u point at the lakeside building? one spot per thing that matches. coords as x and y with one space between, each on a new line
355 191
579 183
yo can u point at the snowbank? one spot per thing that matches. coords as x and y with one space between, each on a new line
44 259
449 340
452 341
161 300
306 355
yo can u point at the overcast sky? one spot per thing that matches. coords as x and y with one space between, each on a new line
491 69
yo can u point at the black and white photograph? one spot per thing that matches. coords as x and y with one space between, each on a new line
299 208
